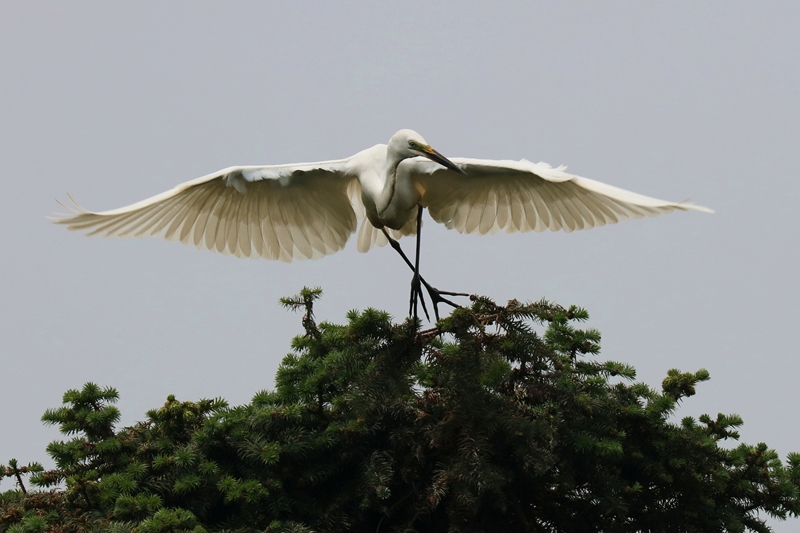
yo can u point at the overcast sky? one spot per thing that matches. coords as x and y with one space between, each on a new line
114 103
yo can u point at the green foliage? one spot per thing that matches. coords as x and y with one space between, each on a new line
497 419
13 470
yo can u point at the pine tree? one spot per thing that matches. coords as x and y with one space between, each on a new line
500 418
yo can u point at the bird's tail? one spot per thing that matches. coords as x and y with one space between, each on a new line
369 235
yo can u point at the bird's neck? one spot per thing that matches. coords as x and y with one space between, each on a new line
389 181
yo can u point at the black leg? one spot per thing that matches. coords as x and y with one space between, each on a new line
416 290
434 293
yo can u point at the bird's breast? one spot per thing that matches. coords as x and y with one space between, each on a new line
401 208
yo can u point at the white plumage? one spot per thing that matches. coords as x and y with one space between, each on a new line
309 210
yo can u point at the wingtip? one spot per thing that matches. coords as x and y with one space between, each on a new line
77 210
80 209
688 205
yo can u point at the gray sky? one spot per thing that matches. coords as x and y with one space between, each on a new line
115 103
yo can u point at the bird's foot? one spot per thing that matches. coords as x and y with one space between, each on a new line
416 296
434 294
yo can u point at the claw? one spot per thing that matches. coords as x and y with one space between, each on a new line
437 298
417 281
434 294
416 296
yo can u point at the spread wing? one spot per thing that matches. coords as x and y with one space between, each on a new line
284 212
524 196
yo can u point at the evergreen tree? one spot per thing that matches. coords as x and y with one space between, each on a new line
497 419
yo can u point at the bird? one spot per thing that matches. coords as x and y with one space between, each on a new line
310 210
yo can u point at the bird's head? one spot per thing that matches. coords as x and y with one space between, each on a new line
409 143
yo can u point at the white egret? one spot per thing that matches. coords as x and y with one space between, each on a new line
309 210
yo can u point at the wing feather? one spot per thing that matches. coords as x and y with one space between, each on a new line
147 225
459 217
537 214
221 242
572 212
555 204
593 207
297 235
503 209
243 248
271 243
489 212
254 227
524 196
366 237
448 212
517 211
283 212
281 226
216 222
117 225
114 226
477 201
290 237
315 232
192 215
369 236
517 219
606 207
185 216
201 227
241 237
322 238
584 217
163 217
598 210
